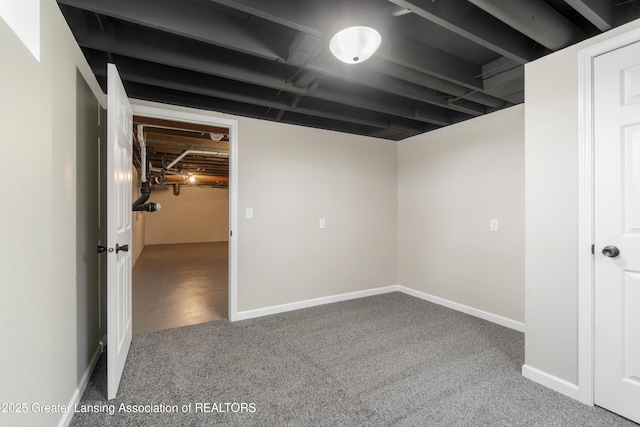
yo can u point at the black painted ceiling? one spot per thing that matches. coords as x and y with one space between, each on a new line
441 61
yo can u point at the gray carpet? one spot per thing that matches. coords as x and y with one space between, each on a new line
384 360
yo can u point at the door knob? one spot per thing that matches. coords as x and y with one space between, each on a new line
101 249
123 248
610 251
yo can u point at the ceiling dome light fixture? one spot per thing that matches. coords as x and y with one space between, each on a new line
355 44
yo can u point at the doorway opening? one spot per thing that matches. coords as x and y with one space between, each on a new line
182 272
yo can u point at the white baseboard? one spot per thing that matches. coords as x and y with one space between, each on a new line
282 308
259 312
550 381
509 323
79 391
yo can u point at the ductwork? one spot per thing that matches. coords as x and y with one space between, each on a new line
533 18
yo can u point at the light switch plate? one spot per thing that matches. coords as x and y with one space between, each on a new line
248 213
322 223
493 225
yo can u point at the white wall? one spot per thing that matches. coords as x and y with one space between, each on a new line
198 214
293 176
551 156
451 182
38 302
27 233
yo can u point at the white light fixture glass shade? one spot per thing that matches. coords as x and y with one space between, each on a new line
355 44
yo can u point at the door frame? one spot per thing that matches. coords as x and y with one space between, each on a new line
192 115
586 205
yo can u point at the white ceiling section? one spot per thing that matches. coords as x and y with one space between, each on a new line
441 61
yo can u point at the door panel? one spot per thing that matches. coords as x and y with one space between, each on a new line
631 184
630 322
617 224
119 176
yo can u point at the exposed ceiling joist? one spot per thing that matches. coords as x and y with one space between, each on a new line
534 18
188 19
188 149
400 85
297 16
411 54
161 48
462 18
201 84
185 141
441 62
598 12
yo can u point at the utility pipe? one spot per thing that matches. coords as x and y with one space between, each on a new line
200 179
143 153
186 153
145 191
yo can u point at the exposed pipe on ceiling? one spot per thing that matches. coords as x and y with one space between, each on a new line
145 166
143 153
533 18
200 179
187 152
152 169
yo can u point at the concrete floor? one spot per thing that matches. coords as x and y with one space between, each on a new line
180 284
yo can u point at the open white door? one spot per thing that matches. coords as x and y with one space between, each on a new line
119 176
617 231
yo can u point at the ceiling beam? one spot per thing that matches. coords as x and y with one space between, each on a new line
598 12
145 44
174 78
534 18
466 20
313 17
330 88
201 144
324 64
188 20
418 78
402 51
164 48
295 15
426 59
169 96
396 49
181 80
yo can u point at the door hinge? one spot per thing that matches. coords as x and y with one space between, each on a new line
593 249
231 233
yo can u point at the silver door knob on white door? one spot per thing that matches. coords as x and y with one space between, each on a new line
610 251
